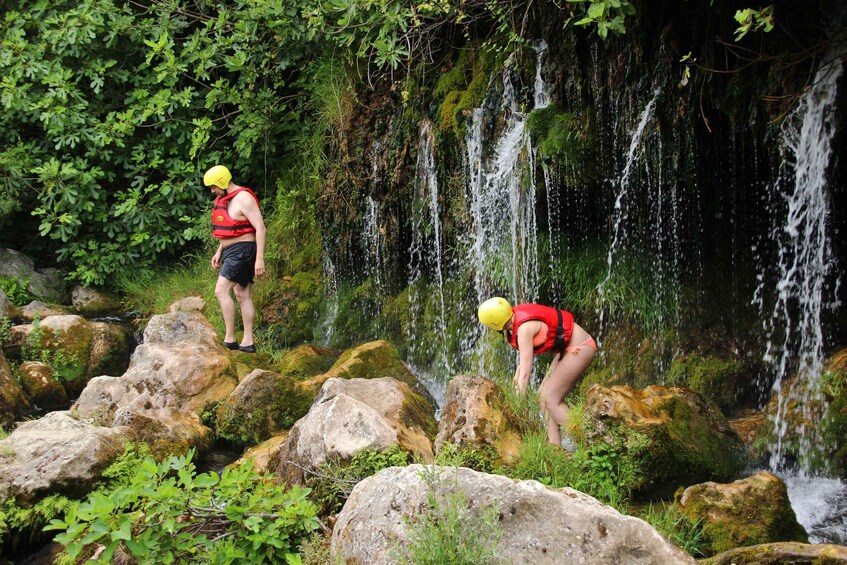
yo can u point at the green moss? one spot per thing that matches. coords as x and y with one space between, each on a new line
462 88
306 361
275 403
711 376
557 134
419 413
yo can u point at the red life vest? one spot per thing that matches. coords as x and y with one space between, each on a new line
559 326
223 226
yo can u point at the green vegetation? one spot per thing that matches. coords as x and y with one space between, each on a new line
672 523
68 359
167 513
332 483
607 15
16 290
451 529
750 19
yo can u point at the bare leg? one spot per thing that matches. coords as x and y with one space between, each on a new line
564 374
248 312
222 288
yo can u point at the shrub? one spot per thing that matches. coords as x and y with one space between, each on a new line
450 530
168 514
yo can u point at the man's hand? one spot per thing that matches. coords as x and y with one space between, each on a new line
260 267
216 260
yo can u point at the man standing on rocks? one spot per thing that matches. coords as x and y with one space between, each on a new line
237 222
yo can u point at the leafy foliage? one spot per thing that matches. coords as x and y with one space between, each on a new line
334 480
16 290
167 513
750 19
607 15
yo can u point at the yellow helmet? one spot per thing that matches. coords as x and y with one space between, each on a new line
218 176
495 312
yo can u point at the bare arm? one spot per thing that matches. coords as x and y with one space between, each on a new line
251 211
216 258
526 332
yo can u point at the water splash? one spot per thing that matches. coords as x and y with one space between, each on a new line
804 261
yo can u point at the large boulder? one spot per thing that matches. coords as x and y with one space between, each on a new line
354 415
64 341
13 401
539 525
260 405
41 386
110 349
781 553
667 437
56 454
91 302
179 371
750 511
47 284
475 417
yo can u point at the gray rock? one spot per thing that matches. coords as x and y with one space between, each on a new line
474 416
539 525
56 454
350 416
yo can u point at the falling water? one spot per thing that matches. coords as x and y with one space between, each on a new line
327 327
542 97
804 259
372 241
620 213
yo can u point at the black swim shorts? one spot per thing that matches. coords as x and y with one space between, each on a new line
238 262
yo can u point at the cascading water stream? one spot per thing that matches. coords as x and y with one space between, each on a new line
804 258
620 213
372 241
504 236
795 347
327 327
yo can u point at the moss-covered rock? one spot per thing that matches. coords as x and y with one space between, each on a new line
780 554
261 405
37 380
307 361
463 88
666 437
476 417
720 379
370 360
13 401
750 511
821 413
109 353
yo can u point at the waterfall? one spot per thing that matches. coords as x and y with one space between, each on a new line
796 340
620 212
372 241
327 326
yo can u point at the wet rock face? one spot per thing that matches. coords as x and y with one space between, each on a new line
537 525
750 511
350 416
666 436
475 417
